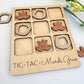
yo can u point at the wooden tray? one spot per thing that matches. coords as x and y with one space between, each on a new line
36 45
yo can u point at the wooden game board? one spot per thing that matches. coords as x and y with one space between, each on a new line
41 40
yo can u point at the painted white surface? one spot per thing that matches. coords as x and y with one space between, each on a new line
67 76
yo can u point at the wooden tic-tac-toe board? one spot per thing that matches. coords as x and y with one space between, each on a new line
41 40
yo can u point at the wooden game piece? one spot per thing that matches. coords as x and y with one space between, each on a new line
37 52
22 15
6 21
81 52
42 45
58 26
39 10
57 42
81 48
23 34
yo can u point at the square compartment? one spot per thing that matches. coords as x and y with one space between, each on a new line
41 27
23 29
49 42
62 42
55 13
23 46
58 31
20 11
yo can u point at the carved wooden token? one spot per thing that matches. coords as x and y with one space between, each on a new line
57 42
58 26
23 33
39 10
22 15
42 45
5 14
81 52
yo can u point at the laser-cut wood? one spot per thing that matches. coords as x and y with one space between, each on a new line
58 26
28 29
39 10
8 19
67 45
22 15
25 58
42 45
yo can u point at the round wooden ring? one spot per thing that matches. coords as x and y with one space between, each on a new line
57 42
23 34
6 21
39 10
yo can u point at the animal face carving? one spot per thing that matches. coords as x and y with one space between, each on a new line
58 26
22 15
42 45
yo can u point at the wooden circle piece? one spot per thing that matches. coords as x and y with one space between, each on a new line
6 21
23 34
39 10
57 42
